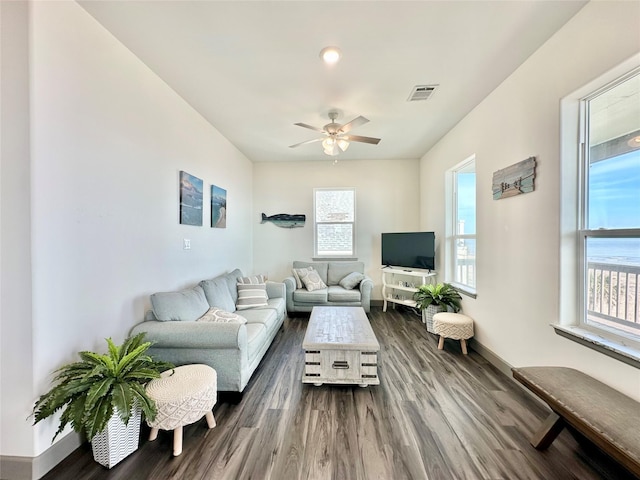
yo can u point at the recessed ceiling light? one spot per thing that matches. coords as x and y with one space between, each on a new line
634 142
330 55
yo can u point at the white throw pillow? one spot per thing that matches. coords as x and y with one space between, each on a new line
253 279
296 275
312 280
251 296
218 315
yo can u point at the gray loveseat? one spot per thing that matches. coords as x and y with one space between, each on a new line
331 273
233 348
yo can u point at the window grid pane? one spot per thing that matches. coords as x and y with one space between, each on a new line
465 261
611 297
334 222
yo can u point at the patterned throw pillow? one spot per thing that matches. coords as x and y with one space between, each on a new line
251 295
296 274
312 280
218 315
253 280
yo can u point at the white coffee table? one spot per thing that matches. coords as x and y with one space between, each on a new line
340 347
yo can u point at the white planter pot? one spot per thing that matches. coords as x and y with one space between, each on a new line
428 313
117 441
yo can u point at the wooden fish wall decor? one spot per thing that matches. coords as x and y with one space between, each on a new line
285 220
515 179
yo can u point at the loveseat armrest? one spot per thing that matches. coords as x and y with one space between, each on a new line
290 286
176 334
366 286
276 290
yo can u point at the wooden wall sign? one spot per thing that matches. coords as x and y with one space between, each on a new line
515 179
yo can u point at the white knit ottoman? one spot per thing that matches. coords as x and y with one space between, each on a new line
455 326
183 396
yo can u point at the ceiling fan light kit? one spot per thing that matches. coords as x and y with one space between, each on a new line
330 55
336 138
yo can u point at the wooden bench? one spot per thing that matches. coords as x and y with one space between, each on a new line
605 416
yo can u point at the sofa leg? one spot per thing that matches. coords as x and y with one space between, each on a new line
234 398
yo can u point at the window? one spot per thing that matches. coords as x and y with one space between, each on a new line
461 226
334 222
609 219
599 214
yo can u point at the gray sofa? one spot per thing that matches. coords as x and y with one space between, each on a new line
233 348
331 273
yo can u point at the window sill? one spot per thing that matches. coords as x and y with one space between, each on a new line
625 351
464 290
334 259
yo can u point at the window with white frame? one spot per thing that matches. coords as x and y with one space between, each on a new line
334 222
460 249
609 207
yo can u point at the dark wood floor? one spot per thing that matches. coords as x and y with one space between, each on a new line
435 415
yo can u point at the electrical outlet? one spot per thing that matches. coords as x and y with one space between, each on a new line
186 244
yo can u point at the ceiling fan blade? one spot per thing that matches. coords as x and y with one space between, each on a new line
304 125
356 122
359 138
308 141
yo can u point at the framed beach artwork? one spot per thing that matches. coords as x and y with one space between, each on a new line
190 199
218 207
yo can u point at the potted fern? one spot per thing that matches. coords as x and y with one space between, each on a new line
432 299
102 397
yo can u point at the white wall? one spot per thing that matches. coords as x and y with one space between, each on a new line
108 139
387 196
518 237
16 374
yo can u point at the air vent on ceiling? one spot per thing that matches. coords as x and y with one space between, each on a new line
421 92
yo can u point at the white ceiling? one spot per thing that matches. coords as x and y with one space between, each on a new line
252 69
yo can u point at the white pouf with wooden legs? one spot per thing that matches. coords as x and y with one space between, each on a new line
183 396
455 326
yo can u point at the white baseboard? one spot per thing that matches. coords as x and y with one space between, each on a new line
33 468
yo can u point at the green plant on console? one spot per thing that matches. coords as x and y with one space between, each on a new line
440 294
92 390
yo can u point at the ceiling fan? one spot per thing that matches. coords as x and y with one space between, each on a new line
336 136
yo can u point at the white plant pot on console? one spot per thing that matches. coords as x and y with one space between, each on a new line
117 441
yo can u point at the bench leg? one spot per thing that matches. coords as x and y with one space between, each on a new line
547 432
153 435
441 343
463 345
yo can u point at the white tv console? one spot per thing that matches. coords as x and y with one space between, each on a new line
399 284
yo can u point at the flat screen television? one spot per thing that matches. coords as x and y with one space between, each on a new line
409 250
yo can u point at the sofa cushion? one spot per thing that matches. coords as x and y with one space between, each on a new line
217 292
311 280
315 297
232 281
351 281
250 296
185 305
320 267
338 270
266 317
218 315
256 337
339 294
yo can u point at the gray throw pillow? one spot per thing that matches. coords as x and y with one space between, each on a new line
185 305
351 281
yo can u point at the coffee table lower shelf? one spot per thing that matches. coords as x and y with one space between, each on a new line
341 367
